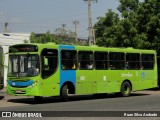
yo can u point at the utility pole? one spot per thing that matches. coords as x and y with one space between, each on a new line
91 36
76 22
63 29
6 30
94 36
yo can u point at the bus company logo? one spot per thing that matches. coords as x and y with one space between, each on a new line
143 75
126 75
6 114
82 78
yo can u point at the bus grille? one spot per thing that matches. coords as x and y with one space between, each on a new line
19 92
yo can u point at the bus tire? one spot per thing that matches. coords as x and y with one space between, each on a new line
64 92
38 99
125 89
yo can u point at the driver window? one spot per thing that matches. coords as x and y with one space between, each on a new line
49 59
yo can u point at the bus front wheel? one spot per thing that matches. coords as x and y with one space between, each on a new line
64 92
125 89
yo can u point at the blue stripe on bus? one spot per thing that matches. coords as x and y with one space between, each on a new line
67 75
20 84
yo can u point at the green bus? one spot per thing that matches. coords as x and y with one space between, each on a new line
41 70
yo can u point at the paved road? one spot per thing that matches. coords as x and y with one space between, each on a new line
141 100
138 101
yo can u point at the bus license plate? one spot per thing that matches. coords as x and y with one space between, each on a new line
18 91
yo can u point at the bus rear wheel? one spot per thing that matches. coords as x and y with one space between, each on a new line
125 89
64 92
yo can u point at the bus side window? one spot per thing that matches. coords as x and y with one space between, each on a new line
101 60
117 60
85 59
89 65
68 59
133 61
148 61
49 62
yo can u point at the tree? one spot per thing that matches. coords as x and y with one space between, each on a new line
33 38
69 38
138 26
42 39
106 29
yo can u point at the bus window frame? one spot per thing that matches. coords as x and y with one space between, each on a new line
88 64
52 71
113 67
128 61
142 61
74 65
100 60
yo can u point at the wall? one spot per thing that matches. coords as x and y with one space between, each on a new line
7 39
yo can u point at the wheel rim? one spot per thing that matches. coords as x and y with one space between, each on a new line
126 90
67 91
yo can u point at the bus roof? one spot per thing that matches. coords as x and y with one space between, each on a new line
89 48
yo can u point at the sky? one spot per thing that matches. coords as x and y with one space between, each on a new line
40 16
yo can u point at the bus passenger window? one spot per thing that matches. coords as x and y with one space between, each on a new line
117 60
89 66
101 60
132 61
85 60
68 59
147 61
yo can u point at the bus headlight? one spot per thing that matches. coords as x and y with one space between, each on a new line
34 84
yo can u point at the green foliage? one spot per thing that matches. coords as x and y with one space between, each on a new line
26 41
42 39
56 38
138 26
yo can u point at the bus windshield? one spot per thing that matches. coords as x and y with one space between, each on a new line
23 65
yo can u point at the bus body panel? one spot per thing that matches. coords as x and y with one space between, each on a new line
86 81
67 75
50 86
148 79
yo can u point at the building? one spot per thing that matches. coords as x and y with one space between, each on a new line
7 39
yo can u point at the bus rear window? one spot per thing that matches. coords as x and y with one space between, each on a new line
147 61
